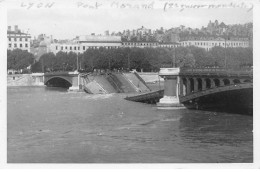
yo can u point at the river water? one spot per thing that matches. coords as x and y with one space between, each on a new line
50 125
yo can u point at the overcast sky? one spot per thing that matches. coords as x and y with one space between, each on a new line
68 23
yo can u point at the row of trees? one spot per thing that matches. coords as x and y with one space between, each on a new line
19 59
146 59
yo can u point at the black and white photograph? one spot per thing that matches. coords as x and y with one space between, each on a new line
129 82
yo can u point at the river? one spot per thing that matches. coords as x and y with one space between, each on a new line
51 125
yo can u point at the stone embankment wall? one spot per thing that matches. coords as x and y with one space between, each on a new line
25 80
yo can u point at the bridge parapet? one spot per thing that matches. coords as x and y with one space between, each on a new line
217 71
169 71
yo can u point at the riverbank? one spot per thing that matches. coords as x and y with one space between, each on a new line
35 79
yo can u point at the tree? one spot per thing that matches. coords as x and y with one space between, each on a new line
19 59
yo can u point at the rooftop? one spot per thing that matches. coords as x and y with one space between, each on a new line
99 38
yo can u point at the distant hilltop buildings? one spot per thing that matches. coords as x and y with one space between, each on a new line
215 34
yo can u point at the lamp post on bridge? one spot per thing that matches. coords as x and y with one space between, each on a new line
174 57
225 36
78 58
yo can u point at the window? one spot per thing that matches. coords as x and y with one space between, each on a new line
62 48
26 45
75 48
15 45
78 48
26 39
21 45
66 47
84 47
10 45
70 48
56 47
10 39
14 39
21 39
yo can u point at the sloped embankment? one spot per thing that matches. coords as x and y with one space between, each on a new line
137 82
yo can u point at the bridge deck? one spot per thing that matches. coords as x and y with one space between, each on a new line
215 90
153 97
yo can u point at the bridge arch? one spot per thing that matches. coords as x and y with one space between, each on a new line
226 81
247 81
199 80
217 82
236 81
208 83
58 81
191 84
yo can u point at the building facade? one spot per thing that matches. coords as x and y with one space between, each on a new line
82 43
169 44
17 39
85 42
221 42
139 44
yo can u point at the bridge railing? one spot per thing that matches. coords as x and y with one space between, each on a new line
240 71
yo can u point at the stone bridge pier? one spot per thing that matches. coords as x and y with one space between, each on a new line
172 88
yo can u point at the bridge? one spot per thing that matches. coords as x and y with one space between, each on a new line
200 86
97 83
69 80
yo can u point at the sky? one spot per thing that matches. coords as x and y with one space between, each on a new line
69 23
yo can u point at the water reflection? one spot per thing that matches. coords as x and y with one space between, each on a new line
216 128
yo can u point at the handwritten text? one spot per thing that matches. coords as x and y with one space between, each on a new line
132 5
30 5
95 5
170 5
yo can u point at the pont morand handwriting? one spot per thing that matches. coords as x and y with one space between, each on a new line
121 5
94 5
30 5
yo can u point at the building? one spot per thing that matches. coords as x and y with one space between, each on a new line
169 44
87 41
41 45
207 44
17 39
139 44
